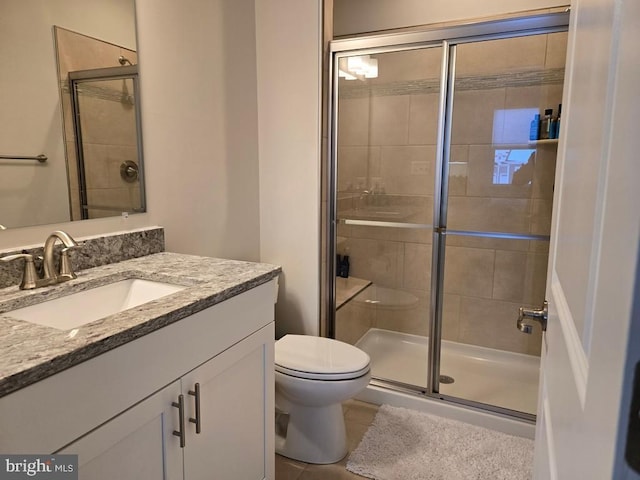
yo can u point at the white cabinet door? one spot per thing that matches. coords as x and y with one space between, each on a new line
137 444
594 249
236 395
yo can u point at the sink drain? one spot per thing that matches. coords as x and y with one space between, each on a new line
446 379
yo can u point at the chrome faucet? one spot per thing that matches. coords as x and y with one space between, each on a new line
30 278
363 199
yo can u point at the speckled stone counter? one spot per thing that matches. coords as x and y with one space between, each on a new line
30 352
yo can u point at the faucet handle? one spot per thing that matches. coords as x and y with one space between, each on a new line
66 268
29 275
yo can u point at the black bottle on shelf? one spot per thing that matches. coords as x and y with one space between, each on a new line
343 267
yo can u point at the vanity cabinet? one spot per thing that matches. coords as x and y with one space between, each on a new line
119 412
140 443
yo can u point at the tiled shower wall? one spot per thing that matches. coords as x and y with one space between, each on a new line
387 146
109 127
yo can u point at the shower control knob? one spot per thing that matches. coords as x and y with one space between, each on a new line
540 315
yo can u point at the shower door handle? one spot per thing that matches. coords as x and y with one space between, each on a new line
540 315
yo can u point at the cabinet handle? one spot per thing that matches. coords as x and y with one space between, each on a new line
180 407
196 420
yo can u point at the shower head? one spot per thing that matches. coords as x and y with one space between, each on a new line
124 60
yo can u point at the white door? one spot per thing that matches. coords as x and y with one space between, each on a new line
594 249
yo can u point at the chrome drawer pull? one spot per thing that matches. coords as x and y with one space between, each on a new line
196 420
180 407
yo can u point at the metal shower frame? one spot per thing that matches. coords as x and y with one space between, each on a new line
447 38
127 72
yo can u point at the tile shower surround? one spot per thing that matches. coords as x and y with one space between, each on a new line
109 136
95 252
486 280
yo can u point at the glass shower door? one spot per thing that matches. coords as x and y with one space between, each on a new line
108 178
387 152
500 188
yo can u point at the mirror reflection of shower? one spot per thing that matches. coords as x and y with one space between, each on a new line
102 129
99 96
126 97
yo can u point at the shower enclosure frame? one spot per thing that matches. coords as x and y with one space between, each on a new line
447 38
126 72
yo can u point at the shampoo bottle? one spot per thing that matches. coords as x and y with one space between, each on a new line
534 131
545 124
553 127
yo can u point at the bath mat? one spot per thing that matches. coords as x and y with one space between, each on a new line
403 444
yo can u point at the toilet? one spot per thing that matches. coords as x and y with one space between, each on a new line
313 376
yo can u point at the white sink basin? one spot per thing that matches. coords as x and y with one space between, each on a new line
84 307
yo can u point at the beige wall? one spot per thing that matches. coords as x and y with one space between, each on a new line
386 142
289 35
199 114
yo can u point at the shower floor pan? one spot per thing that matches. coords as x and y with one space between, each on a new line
485 375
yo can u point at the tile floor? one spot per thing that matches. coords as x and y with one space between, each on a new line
358 416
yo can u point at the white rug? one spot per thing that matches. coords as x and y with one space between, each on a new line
403 444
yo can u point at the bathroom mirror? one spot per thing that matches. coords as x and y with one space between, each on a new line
37 121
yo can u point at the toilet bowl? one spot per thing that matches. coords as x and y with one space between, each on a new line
313 375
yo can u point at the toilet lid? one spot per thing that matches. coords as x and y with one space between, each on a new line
312 357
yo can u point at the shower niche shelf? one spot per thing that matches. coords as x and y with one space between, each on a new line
348 288
547 141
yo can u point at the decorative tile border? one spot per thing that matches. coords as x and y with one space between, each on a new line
432 85
103 93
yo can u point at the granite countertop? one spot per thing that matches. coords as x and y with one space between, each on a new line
30 352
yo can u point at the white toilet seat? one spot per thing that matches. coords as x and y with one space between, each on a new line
319 358
322 376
